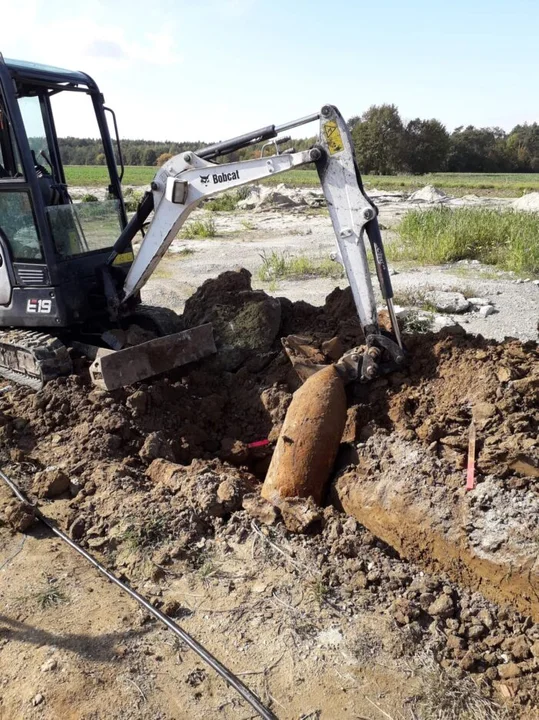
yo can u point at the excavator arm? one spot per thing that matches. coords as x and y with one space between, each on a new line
187 179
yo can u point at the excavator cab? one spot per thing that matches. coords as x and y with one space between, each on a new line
50 245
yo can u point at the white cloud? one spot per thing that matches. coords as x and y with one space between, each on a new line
104 48
27 35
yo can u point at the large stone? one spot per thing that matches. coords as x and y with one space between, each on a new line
509 670
486 310
442 607
50 483
156 446
448 302
20 516
299 514
260 509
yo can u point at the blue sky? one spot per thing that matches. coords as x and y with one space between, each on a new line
212 69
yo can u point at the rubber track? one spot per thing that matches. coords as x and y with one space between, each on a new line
165 321
48 354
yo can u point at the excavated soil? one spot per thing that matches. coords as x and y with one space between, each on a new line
153 478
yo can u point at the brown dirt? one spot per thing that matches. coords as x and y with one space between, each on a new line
160 475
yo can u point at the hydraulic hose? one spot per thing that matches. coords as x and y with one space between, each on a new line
201 651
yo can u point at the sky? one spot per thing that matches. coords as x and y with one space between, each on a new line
212 69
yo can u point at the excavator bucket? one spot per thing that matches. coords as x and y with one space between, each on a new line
113 369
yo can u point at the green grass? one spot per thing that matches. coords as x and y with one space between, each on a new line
50 596
277 266
84 175
204 228
227 202
505 238
509 184
149 534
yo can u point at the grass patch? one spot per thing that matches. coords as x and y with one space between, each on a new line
204 228
414 297
227 202
97 175
505 238
50 596
149 534
132 198
280 265
444 696
88 197
415 323
318 591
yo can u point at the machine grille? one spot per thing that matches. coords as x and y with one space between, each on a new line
31 275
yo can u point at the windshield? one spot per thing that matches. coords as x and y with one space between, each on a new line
35 128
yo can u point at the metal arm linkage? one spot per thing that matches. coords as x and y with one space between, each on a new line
188 178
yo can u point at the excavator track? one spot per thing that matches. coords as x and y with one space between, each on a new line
32 358
161 320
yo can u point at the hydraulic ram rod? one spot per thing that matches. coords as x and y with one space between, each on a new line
208 658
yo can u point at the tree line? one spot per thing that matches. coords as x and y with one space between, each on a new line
384 145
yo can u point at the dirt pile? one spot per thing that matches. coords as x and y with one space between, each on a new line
528 202
428 194
408 486
160 472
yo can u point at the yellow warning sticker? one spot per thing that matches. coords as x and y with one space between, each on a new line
123 258
333 137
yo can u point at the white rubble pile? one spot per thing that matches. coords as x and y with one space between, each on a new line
529 202
263 197
428 194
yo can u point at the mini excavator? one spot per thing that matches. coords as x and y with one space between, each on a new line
68 274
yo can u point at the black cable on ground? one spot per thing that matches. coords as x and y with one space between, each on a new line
208 658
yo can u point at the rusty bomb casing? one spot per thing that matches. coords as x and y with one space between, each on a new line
309 439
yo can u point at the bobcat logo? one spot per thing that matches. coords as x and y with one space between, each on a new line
204 179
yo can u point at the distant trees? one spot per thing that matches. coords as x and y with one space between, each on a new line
478 150
379 140
523 146
384 145
426 145
86 151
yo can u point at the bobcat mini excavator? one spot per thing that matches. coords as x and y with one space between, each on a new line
68 274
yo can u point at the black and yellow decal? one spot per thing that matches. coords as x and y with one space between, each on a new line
333 137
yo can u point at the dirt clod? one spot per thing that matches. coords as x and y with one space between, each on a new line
51 483
20 516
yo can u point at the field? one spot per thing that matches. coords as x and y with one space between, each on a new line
503 184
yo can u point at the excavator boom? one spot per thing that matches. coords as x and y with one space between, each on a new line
189 178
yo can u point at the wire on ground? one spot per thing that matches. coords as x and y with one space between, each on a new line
201 651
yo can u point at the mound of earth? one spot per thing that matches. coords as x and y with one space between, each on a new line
528 202
428 194
279 197
159 471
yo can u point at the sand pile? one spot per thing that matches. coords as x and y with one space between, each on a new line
428 194
528 202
